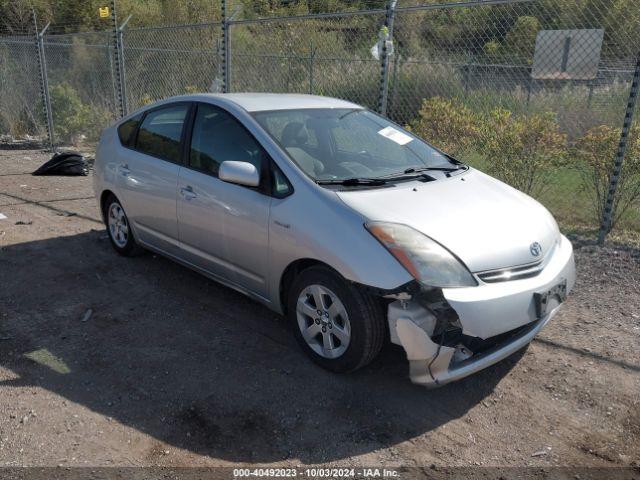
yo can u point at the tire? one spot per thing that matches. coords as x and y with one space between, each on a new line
356 339
118 228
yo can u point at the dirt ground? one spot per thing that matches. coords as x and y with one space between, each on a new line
172 369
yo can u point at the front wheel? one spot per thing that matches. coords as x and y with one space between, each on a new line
337 324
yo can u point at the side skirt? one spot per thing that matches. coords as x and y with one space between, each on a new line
227 283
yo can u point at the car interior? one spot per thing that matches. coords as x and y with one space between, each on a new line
320 153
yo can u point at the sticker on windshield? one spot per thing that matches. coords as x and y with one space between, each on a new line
395 135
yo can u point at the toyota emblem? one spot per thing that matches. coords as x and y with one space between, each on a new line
536 249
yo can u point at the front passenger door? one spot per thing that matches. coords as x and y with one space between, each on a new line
223 227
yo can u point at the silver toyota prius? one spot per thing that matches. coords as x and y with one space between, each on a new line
349 225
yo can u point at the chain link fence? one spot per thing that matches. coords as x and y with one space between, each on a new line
21 112
536 92
322 55
515 60
165 61
82 85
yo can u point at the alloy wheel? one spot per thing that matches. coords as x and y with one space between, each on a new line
118 225
323 321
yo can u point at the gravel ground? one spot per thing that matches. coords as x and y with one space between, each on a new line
171 369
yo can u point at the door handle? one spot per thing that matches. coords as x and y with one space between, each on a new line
188 193
124 169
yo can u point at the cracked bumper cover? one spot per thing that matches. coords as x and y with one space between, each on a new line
484 312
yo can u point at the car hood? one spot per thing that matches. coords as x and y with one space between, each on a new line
484 222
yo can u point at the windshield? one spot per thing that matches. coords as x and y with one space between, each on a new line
339 144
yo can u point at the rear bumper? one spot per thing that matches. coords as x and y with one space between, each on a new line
484 312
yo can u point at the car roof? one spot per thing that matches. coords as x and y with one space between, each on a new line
256 102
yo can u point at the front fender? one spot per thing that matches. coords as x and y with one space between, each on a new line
330 233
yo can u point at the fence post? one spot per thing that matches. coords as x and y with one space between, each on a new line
312 56
123 71
118 64
225 49
44 81
384 58
394 84
112 72
607 215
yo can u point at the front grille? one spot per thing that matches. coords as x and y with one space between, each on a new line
518 272
512 273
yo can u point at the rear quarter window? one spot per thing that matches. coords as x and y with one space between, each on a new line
127 131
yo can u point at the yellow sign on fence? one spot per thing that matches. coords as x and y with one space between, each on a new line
104 12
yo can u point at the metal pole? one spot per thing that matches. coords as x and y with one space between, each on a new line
123 71
44 81
225 49
227 20
394 85
217 85
312 55
118 64
466 79
607 215
384 58
113 74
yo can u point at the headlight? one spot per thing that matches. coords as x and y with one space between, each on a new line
426 260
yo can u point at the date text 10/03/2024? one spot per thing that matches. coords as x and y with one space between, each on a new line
316 472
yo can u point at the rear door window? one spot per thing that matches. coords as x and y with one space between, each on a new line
161 132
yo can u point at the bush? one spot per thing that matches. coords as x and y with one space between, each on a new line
67 111
448 124
72 118
522 150
596 151
146 99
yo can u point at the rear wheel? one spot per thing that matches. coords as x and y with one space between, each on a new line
337 324
118 228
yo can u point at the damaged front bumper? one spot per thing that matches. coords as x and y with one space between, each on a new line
464 330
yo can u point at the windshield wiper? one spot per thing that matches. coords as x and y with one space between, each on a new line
435 169
353 181
414 172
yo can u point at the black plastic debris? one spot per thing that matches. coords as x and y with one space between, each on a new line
65 163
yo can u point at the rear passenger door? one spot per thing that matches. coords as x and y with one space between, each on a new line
148 174
224 227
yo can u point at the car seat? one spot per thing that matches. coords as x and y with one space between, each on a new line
294 139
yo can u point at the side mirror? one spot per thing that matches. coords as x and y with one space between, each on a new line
240 173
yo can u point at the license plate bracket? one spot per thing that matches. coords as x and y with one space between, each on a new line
541 299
